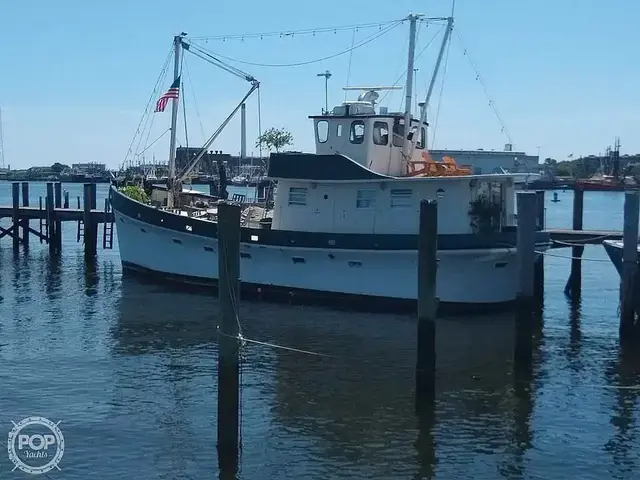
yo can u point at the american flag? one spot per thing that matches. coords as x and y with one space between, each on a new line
173 92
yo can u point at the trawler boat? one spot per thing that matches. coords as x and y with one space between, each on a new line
345 218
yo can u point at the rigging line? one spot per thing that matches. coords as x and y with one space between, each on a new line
298 32
155 141
195 102
484 87
369 39
353 40
184 103
444 73
590 239
415 58
151 97
202 53
569 257
150 120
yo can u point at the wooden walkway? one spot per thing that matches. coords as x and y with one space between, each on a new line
61 214
568 238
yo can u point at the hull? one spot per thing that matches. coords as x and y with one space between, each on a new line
614 250
466 276
595 186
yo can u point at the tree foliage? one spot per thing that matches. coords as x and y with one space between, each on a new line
58 168
134 192
274 139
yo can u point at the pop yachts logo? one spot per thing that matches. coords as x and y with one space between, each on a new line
35 445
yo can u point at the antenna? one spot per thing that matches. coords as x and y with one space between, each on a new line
1 143
327 76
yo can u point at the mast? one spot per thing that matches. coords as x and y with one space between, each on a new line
177 42
406 146
423 112
1 143
243 131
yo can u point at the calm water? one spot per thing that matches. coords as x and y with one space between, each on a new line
130 371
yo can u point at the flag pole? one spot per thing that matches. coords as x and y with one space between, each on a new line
177 42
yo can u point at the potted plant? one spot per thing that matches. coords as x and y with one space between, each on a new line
485 214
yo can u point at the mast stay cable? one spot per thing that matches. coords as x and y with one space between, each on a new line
362 43
465 52
149 103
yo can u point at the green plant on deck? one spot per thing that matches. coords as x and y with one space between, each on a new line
485 214
134 192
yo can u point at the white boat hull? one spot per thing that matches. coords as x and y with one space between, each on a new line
486 276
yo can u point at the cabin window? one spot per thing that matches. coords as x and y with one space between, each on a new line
356 134
322 130
366 199
401 197
339 130
297 196
398 132
380 133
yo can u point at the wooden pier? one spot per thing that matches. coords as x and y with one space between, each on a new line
51 213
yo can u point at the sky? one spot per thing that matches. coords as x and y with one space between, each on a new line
77 76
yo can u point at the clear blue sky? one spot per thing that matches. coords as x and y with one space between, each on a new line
77 75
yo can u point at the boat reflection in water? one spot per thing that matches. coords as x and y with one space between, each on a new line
339 397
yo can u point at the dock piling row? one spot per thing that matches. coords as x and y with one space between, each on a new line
51 213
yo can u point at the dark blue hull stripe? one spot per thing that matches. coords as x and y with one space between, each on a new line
281 238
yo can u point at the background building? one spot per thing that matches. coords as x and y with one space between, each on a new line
491 161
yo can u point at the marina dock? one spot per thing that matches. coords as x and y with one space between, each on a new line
52 211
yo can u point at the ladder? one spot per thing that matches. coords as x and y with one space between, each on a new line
44 226
44 229
107 236
80 232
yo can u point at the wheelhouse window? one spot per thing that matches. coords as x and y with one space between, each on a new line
297 196
366 199
356 132
398 132
380 133
339 130
401 197
322 130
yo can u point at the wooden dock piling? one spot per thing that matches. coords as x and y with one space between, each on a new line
51 228
15 195
25 221
90 227
66 200
229 342
525 244
427 304
527 205
538 267
574 284
57 199
628 303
